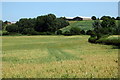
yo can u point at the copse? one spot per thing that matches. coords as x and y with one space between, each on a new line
25 23
45 24
106 27
49 23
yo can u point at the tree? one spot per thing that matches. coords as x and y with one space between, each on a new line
45 23
49 23
93 18
1 25
103 17
29 31
113 18
107 26
12 28
75 31
25 23
118 18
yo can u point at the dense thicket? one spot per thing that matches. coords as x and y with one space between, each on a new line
45 24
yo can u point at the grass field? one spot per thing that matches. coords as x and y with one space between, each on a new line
84 25
57 57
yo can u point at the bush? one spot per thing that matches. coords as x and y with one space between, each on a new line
75 31
109 41
92 39
82 32
89 32
67 33
58 32
12 28
5 33
29 31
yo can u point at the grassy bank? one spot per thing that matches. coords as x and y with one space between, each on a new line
84 25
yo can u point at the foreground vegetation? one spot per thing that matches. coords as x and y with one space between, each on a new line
57 57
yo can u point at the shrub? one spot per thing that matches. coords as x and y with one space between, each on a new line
58 32
29 31
89 32
92 39
5 33
82 32
75 31
67 33
108 41
12 28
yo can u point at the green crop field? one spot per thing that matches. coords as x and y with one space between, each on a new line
57 57
84 25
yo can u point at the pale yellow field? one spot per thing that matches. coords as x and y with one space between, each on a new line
57 57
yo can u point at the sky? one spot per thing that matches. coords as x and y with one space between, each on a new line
13 11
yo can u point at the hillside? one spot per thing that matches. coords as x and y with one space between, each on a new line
84 25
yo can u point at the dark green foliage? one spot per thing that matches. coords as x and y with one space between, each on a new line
1 22
117 31
107 26
29 31
93 18
5 33
101 29
89 32
58 32
113 18
118 18
104 17
82 32
25 23
75 31
12 28
105 40
2 25
92 39
67 33
109 41
43 25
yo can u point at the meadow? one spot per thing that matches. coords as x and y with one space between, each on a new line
83 25
57 57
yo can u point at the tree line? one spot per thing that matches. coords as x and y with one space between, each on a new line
45 24
49 25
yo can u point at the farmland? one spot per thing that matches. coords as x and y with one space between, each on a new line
57 57
84 25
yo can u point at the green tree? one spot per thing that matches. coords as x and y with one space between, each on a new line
118 18
12 28
103 17
93 18
75 31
